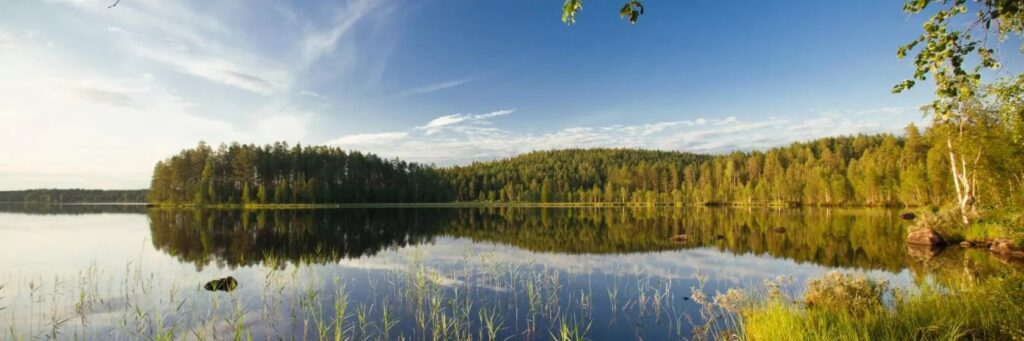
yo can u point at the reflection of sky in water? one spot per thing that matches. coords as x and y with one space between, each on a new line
38 248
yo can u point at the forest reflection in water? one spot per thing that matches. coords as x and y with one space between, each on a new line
859 239
536 270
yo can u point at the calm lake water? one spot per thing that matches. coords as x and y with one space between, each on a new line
128 272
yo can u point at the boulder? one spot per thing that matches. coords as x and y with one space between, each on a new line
925 237
223 284
908 216
966 244
1003 246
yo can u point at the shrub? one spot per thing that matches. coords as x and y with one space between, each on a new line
846 293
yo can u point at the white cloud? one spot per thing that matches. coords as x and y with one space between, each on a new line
355 141
437 124
462 138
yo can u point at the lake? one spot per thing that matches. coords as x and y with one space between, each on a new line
130 272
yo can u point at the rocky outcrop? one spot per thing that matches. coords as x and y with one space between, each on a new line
925 237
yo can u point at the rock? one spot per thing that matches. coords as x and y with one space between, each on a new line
719 237
925 237
680 238
779 229
1002 246
908 216
224 284
966 244
1018 254
923 252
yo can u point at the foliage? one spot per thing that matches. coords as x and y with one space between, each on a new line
945 51
58 196
279 174
862 170
632 10
987 309
846 293
945 221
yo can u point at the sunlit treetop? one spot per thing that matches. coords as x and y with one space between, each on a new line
953 54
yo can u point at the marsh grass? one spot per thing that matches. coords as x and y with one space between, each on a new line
490 299
495 300
986 310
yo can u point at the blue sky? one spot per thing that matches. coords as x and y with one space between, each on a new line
93 97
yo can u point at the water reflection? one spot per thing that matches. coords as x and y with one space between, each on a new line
617 272
861 239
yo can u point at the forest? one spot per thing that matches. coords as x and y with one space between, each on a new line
911 169
64 196
282 174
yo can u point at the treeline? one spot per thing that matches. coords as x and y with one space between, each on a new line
861 170
279 174
572 175
67 196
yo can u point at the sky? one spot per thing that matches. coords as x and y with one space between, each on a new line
93 97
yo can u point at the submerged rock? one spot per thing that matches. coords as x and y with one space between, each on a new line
908 216
224 284
720 237
779 229
923 251
925 237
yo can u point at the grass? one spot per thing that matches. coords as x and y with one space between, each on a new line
1002 223
500 300
855 309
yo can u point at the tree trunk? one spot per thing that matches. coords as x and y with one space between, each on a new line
964 181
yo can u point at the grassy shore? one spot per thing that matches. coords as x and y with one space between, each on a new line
844 307
1004 223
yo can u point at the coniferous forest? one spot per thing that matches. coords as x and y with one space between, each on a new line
911 169
63 196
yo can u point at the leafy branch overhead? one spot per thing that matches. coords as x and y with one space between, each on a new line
954 54
632 10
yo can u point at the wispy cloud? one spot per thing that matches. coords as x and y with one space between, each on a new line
433 87
318 44
462 138
355 141
437 124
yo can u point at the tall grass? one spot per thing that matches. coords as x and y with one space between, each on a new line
498 300
990 309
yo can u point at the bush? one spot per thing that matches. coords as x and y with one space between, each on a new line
946 221
847 293
985 310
